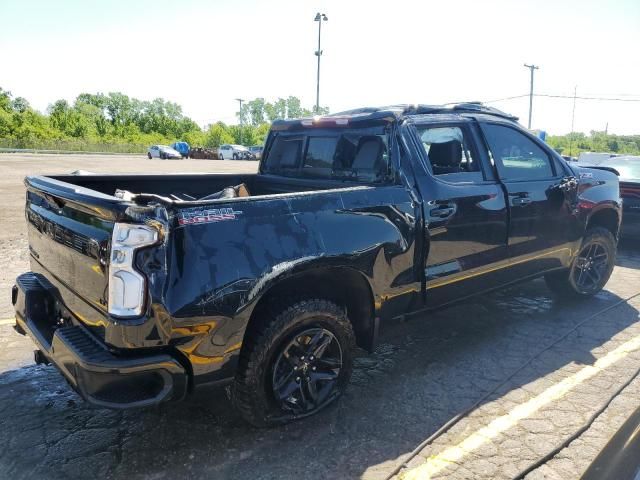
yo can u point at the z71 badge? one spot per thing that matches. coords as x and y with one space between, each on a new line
206 215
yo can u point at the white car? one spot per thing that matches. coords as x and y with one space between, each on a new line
163 152
233 152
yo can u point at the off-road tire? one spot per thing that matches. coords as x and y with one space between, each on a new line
563 283
252 392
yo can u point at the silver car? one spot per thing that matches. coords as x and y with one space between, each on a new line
163 152
232 152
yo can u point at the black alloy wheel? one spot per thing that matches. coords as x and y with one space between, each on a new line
590 267
306 371
296 359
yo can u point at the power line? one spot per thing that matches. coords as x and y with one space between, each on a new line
604 99
507 98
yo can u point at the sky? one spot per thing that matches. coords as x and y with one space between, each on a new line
203 54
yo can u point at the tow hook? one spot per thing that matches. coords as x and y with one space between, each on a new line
40 358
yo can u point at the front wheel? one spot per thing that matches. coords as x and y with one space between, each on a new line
149 155
295 363
221 157
590 269
235 156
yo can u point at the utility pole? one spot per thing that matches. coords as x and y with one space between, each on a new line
531 68
240 100
573 117
320 17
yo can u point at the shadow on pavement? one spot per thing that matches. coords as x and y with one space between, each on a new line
424 372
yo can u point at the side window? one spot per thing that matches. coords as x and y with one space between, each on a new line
516 157
450 154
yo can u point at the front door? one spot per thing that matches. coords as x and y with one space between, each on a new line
542 226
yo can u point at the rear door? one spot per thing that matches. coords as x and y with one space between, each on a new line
465 212
540 195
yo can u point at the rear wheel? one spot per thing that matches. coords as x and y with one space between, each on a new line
235 156
149 155
221 157
295 364
590 269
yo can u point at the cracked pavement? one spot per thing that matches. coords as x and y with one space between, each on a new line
425 371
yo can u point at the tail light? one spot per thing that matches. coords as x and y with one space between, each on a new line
127 286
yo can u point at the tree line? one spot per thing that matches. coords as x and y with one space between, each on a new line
104 121
117 122
574 143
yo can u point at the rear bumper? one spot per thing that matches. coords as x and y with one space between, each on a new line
95 372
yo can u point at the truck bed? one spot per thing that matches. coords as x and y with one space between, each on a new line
197 185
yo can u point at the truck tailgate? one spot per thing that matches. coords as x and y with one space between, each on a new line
69 232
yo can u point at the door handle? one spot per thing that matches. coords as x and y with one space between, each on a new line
443 211
521 201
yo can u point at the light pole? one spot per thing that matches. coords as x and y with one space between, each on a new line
240 100
531 68
320 17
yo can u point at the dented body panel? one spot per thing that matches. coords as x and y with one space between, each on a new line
409 243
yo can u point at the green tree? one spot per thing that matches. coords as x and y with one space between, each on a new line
218 134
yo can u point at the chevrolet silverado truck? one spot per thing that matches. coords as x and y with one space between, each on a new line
145 287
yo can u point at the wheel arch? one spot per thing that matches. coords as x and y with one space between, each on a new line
345 286
607 218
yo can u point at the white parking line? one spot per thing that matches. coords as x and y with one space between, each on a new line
8 321
454 454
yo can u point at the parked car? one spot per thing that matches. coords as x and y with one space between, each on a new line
232 152
629 169
203 153
594 158
267 281
181 147
163 152
256 151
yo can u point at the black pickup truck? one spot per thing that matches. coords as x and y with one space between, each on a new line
145 287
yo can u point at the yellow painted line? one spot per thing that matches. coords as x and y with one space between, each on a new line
453 455
8 321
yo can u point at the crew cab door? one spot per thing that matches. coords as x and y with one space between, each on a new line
542 227
465 212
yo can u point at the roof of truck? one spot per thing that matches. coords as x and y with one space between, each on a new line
393 113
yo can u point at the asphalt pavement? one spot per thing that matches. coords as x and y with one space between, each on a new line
549 376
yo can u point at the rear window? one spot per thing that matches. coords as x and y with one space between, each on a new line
320 152
359 155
